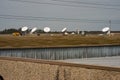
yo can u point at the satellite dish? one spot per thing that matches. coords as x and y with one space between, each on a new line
73 33
64 29
83 33
46 29
24 28
65 33
33 30
105 29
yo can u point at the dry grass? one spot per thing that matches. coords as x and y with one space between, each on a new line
50 70
56 40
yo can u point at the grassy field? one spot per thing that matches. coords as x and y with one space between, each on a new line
47 40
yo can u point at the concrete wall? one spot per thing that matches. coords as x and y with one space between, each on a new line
28 69
61 53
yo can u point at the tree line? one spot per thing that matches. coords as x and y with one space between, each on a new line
12 30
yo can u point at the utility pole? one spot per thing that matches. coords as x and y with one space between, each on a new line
110 24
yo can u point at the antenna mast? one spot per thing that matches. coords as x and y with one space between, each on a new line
109 27
110 24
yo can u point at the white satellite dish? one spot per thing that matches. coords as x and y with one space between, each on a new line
64 29
73 33
24 28
33 30
46 29
105 29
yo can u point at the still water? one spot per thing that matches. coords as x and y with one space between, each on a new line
62 52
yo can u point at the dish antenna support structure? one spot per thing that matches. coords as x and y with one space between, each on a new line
33 30
106 30
64 31
24 29
46 29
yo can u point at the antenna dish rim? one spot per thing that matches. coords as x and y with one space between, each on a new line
64 29
33 30
46 29
105 29
25 28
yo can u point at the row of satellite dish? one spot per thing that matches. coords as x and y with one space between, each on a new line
47 29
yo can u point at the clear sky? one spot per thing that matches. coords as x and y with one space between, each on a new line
57 14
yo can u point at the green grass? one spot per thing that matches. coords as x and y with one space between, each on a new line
48 41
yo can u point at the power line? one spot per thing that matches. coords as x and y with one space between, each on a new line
34 18
47 18
45 3
88 3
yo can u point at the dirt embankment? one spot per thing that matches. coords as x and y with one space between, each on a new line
28 69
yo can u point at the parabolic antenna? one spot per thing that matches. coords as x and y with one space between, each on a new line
24 28
64 29
33 30
105 29
46 29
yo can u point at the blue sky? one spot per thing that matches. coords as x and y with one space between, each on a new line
57 14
